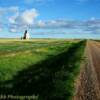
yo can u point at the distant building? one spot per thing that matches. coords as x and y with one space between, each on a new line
26 35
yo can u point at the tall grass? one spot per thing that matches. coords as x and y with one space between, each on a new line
51 78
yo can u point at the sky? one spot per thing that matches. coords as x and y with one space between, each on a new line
50 18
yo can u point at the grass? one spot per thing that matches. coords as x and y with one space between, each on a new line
17 55
46 68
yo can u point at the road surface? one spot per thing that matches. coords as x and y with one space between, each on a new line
88 83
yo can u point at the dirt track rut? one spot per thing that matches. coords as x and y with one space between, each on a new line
88 83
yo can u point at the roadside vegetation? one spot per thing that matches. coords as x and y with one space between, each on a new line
44 69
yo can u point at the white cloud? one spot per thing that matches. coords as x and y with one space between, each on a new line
58 24
14 15
28 16
41 23
8 14
17 21
12 9
13 30
12 19
92 18
83 27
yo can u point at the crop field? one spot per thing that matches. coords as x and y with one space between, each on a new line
45 68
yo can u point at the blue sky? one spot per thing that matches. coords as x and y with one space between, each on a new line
50 18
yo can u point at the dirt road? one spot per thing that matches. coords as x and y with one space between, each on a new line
88 83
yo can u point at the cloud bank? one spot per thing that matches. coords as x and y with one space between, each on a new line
17 21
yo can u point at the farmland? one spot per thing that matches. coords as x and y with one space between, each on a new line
46 68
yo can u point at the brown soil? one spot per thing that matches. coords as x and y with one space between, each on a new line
88 83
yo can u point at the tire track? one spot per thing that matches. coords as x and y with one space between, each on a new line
88 83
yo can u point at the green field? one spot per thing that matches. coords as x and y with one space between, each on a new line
46 68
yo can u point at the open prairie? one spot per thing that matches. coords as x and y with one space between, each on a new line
46 68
